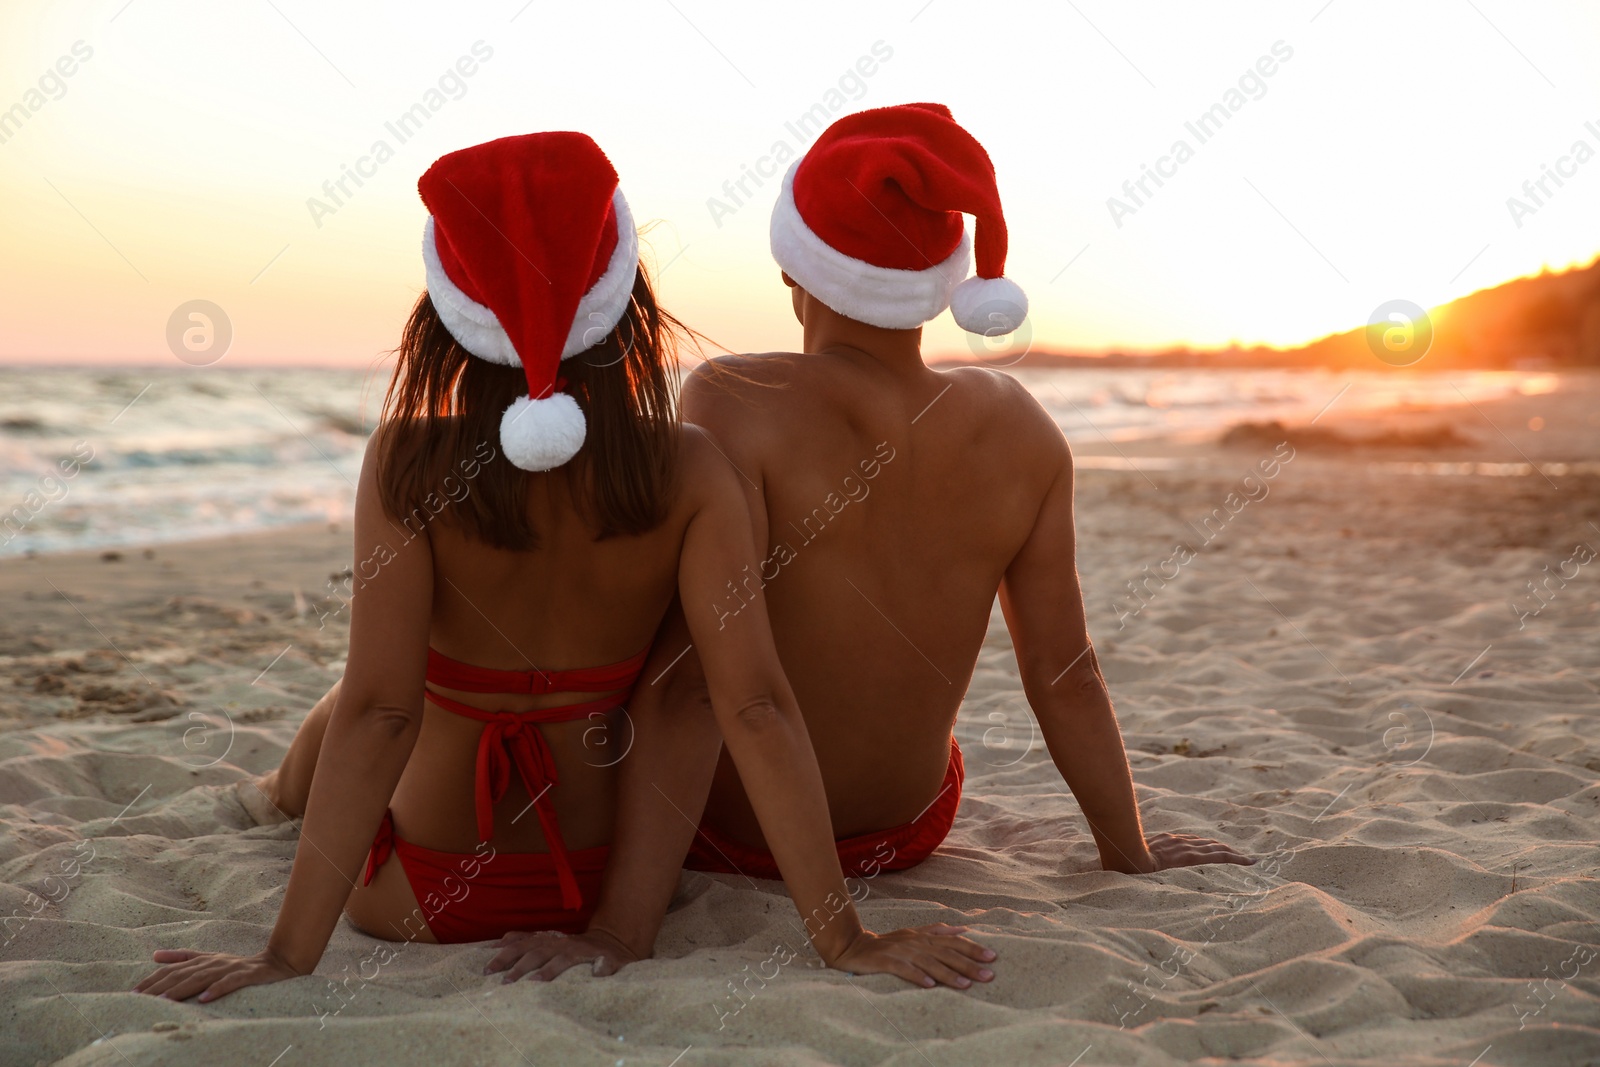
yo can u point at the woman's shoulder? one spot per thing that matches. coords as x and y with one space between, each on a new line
698 450
391 434
706 471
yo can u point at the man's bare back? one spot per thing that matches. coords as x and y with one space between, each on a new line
892 500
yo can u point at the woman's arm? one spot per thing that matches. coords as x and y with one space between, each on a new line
369 739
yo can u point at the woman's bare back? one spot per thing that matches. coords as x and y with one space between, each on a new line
575 601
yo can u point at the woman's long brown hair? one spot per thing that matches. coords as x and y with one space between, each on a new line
442 419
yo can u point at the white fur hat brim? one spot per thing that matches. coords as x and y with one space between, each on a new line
478 329
880 296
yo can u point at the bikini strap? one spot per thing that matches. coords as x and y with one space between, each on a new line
513 739
468 677
382 846
565 713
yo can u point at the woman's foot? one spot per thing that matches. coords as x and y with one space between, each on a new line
259 796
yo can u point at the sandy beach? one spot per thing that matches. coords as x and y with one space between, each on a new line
1340 667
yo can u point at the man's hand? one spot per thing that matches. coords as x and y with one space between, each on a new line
1187 850
925 955
546 954
211 974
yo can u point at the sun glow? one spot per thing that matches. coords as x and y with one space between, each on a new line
265 158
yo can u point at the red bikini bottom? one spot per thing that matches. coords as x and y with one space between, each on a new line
862 856
483 895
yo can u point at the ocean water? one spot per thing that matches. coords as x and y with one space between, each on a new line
176 454
1123 405
100 458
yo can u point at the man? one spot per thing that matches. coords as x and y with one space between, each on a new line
897 501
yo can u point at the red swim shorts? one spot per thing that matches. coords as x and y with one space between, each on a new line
862 856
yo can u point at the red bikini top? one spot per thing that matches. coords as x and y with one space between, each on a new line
453 674
513 739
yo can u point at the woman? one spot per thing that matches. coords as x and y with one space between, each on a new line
506 597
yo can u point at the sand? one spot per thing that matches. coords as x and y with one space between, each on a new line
1337 682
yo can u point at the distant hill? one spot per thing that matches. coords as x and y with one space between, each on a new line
1549 320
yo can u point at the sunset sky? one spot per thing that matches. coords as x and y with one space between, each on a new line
177 159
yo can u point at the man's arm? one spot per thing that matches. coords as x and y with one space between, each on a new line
1043 605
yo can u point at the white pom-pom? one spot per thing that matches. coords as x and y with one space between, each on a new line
989 306
540 435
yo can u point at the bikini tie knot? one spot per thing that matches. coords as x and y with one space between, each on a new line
509 741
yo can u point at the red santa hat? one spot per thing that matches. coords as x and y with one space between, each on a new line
531 256
869 221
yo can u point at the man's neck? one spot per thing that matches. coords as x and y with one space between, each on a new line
897 350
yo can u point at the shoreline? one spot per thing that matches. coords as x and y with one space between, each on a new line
1481 438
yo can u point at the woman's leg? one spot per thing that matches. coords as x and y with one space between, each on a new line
281 794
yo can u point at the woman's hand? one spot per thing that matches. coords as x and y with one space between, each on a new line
547 954
1187 850
211 974
924 955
